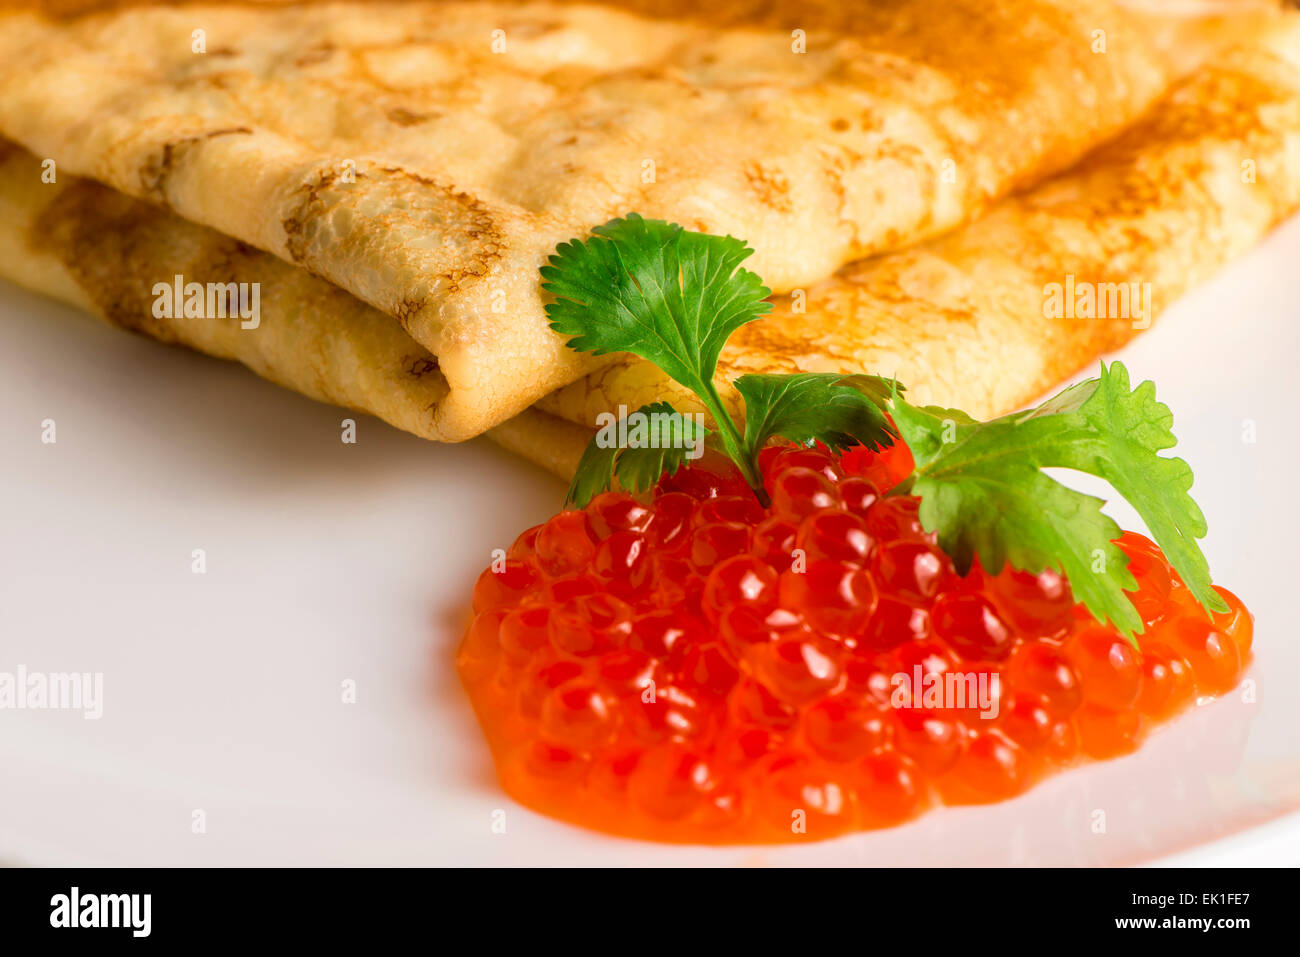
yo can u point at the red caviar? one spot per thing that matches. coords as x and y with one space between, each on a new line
693 667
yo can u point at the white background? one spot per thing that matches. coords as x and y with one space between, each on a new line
329 562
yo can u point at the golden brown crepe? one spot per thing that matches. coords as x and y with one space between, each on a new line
93 247
971 319
543 439
427 156
1203 177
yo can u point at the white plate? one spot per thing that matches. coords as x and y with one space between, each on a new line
329 562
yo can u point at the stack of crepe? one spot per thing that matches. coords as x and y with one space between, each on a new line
914 176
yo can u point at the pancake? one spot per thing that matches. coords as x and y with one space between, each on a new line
427 156
1209 170
990 316
93 247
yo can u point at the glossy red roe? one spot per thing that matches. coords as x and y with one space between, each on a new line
715 541
543 675
1236 622
656 632
835 598
844 728
933 741
798 492
970 623
894 623
708 670
1042 669
815 460
525 546
1154 578
895 519
590 624
524 632
480 650
671 527
833 534
992 767
913 571
740 580
748 629
1109 671
578 715
774 542
753 704
693 666
1214 657
564 544
890 789
858 495
1026 720
670 781
623 561
1037 606
704 480
611 512
505 585
1104 733
799 667
805 796
1167 682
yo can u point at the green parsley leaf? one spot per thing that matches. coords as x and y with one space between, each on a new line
828 407
983 491
594 474
655 290
1131 427
668 295
673 297
638 450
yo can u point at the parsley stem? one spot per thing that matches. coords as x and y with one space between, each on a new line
732 440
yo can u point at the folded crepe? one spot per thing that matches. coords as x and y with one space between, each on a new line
1210 169
990 316
426 157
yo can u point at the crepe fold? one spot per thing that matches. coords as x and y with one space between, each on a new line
426 157
990 316
961 319
85 244
984 317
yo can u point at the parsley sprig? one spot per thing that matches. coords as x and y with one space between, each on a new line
674 297
666 439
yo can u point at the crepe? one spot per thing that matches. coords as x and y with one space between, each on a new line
960 319
992 315
90 246
426 157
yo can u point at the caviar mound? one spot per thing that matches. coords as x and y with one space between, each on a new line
694 667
